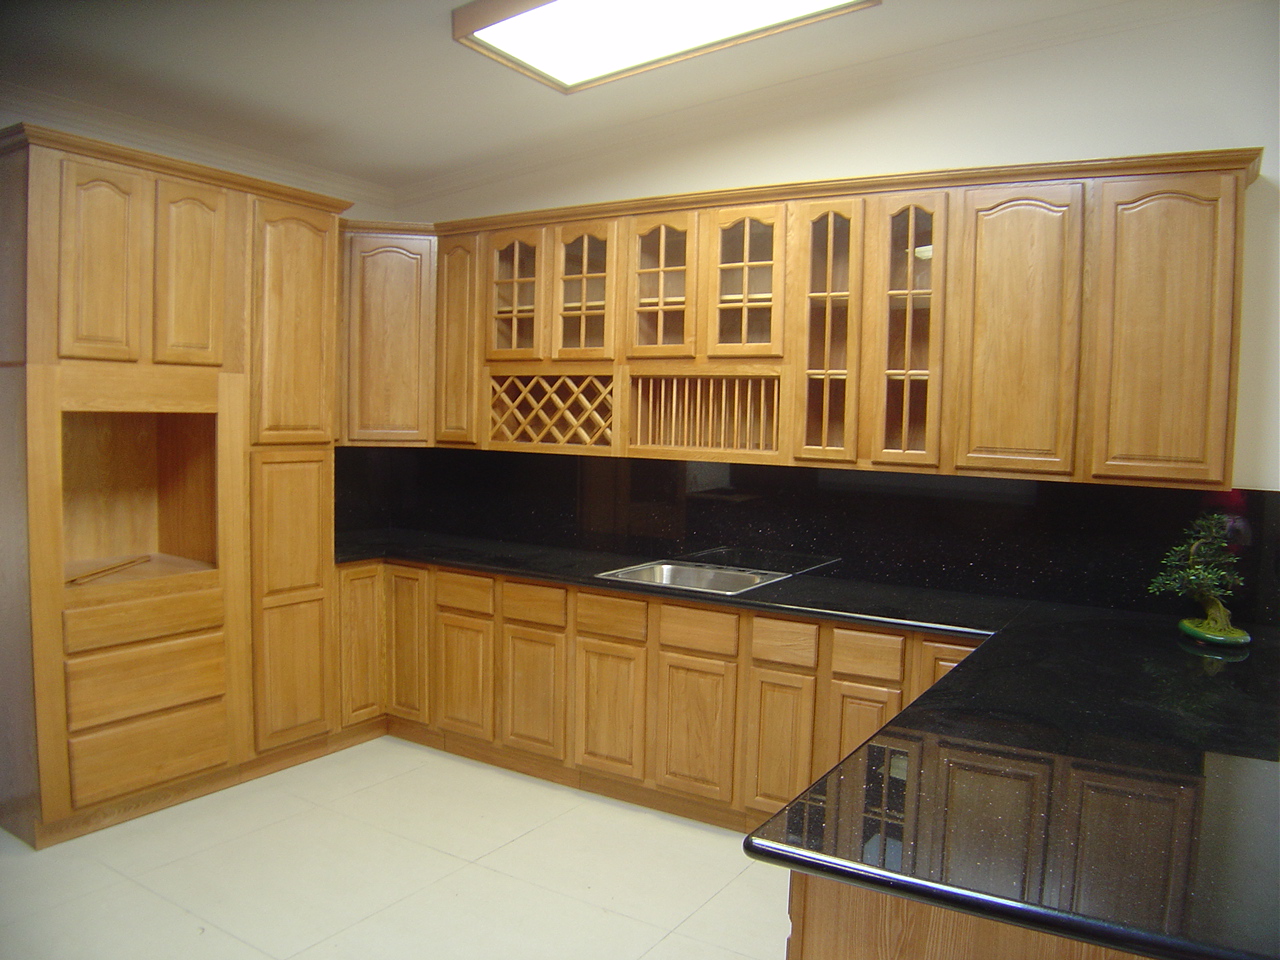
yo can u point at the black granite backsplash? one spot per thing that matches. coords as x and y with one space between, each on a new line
1073 543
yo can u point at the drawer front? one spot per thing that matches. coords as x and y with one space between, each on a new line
785 641
861 653
464 592
115 760
608 616
534 603
690 628
115 684
90 628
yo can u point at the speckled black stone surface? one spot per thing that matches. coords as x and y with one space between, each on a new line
1084 693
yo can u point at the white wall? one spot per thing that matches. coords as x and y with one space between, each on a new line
1204 82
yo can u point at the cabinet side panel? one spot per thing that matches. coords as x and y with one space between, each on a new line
13 264
456 342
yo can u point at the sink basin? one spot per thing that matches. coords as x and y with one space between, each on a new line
706 577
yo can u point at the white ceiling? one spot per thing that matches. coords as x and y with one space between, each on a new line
376 94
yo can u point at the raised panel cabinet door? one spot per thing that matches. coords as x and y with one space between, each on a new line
459 327
362 642
904 247
855 712
694 728
1014 306
295 657
515 294
743 256
609 706
584 290
929 659
390 300
779 737
406 594
534 690
294 330
105 244
464 674
1163 326
661 266
824 311
191 252
984 821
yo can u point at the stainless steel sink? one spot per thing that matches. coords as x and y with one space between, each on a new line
706 577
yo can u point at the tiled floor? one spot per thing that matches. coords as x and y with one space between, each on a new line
392 851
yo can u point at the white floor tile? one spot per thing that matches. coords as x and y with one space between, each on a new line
748 916
343 773
459 806
476 914
138 846
297 882
31 880
123 922
648 865
677 947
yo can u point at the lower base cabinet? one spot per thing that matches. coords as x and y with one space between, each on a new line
778 745
406 619
534 689
609 706
695 725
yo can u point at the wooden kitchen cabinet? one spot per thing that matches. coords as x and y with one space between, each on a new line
407 619
457 369
743 249
929 658
1162 319
535 680
296 673
362 614
584 278
294 329
610 684
777 735
1013 309
388 333
662 274
862 692
463 667
515 293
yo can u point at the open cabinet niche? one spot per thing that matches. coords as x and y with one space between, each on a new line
138 485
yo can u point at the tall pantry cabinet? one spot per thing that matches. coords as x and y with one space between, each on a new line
158 321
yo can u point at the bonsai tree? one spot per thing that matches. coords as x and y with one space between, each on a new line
1202 567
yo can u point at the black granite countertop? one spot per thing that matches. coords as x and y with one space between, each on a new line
1084 773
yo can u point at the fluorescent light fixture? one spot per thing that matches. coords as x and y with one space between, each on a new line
573 44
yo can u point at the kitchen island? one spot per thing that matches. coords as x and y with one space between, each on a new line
1083 774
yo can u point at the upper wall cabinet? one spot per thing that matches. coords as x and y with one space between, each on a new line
661 269
145 264
515 294
294 297
387 336
456 369
584 277
746 246
1162 319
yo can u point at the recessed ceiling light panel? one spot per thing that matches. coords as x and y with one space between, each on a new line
573 44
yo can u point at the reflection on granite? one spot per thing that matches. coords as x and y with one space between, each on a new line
1082 773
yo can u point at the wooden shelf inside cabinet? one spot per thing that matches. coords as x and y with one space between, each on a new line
139 495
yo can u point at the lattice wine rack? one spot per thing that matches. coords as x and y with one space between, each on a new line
705 413
572 410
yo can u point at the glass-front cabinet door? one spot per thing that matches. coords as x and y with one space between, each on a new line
744 249
660 297
515 294
902 327
825 301
584 276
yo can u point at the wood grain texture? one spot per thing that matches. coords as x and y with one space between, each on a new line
610 698
535 603
867 653
464 674
192 237
362 632
612 616
465 591
855 712
89 628
407 657
928 660
778 737
457 347
534 689
704 629
784 641
694 725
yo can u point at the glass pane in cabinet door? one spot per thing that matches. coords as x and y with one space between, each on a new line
675 247
506 263
917 405
921 311
759 282
819 255
818 339
647 327
673 285
527 264
840 238
894 395
731 283
647 287
897 333
838 342
597 251
733 243
922 250
673 327
899 249
761 242
758 324
731 325
593 334
573 257
651 249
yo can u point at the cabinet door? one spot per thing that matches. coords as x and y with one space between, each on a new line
406 590
1014 305
105 242
464 674
515 294
902 327
534 689
609 706
743 254
854 712
363 636
928 661
824 307
779 737
584 276
295 669
457 322
295 262
1163 301
191 251
661 298
695 725
390 297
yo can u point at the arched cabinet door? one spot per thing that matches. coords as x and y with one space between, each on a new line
1163 326
743 258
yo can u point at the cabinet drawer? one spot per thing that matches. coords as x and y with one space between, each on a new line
115 684
88 628
464 592
785 641
690 628
861 653
150 750
534 603
612 616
